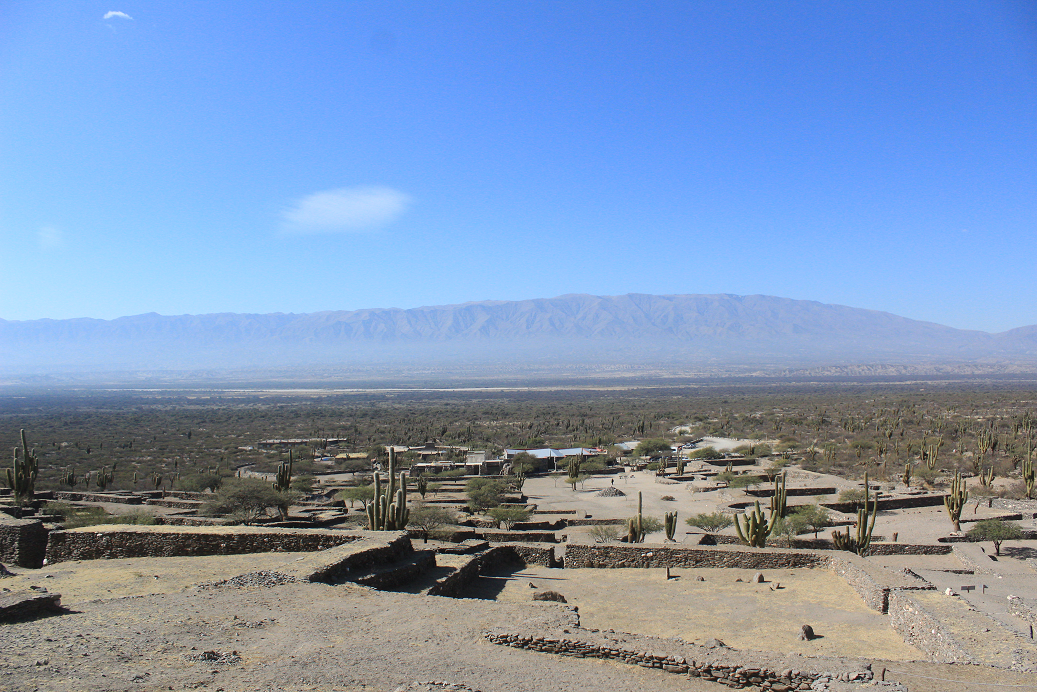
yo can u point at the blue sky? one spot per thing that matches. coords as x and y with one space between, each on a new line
198 157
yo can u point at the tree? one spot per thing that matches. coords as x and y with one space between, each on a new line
995 530
509 516
815 516
604 533
710 523
361 493
789 527
428 518
526 463
484 493
706 453
248 499
648 448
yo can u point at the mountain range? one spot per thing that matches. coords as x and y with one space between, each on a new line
571 329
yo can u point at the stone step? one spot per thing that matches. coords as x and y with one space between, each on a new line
396 574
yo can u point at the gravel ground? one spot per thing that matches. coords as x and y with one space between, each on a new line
298 637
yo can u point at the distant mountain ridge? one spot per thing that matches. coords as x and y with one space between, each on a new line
569 328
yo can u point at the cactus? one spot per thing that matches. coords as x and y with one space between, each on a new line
574 471
986 479
680 466
670 525
956 499
422 484
753 528
635 527
1029 477
861 543
103 478
907 474
68 477
283 479
21 477
388 511
929 453
156 478
779 505
1027 466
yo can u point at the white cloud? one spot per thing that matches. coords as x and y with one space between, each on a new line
120 15
51 238
345 209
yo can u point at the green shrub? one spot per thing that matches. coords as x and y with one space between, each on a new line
647 448
508 516
714 522
706 453
428 518
604 533
995 530
857 495
484 493
361 493
247 499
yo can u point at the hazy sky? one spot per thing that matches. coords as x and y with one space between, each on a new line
197 157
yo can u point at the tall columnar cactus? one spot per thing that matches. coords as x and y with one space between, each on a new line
986 478
1029 477
753 528
779 499
574 471
283 479
929 453
635 526
670 525
388 511
861 543
680 466
68 477
907 474
21 477
956 499
103 478
156 478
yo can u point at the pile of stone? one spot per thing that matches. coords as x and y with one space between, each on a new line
611 491
261 578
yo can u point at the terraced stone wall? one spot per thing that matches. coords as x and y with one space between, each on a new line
923 630
23 542
113 542
642 555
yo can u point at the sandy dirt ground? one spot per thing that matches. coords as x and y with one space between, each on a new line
88 580
317 637
741 614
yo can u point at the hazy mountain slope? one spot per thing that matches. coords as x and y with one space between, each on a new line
570 328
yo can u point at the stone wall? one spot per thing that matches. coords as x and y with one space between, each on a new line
596 522
124 541
874 594
652 555
1023 609
513 536
23 542
114 498
364 551
889 503
923 630
826 544
732 673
